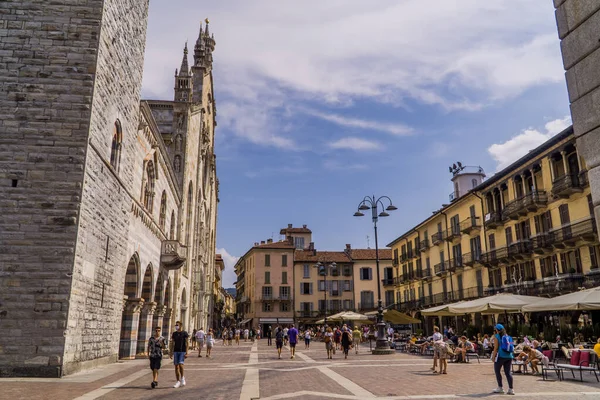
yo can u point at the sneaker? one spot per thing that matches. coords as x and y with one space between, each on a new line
153 384
510 391
498 390
182 381
176 385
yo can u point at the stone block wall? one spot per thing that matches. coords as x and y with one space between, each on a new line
107 202
578 23
48 56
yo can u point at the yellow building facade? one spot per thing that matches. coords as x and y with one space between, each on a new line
529 229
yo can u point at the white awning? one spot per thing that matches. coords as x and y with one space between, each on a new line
275 320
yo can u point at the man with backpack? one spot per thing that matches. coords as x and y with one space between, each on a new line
502 356
279 340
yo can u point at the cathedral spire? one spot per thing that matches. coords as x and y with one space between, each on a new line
185 69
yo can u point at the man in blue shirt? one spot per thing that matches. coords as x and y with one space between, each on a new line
293 338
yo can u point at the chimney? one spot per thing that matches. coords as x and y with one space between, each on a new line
304 226
262 242
255 243
311 246
348 247
289 226
269 241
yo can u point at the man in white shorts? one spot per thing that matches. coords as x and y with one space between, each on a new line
246 333
200 337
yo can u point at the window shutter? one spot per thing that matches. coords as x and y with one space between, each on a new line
578 260
311 306
563 263
536 223
310 288
370 273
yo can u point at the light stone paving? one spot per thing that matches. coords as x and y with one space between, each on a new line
252 371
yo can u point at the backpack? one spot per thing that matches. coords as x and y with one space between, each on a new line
327 339
507 344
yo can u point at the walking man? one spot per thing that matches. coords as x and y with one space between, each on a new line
293 337
279 340
285 335
200 337
178 352
156 344
356 335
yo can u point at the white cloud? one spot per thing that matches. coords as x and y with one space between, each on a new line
229 276
455 55
517 146
357 144
394 129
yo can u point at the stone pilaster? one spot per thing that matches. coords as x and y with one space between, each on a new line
129 328
166 326
578 24
159 316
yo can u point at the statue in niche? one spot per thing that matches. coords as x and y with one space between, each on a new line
177 164
178 141
180 121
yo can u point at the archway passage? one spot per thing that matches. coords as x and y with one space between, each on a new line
146 313
131 309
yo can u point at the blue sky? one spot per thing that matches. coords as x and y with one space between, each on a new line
321 103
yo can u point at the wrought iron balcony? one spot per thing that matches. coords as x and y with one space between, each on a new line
455 263
395 262
387 281
493 220
512 208
367 306
521 249
172 255
308 314
566 185
452 233
542 243
427 273
495 257
437 238
471 259
403 258
424 245
440 269
568 235
471 224
533 201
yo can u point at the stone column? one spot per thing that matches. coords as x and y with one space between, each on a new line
159 315
129 328
166 326
145 329
533 179
565 164
578 24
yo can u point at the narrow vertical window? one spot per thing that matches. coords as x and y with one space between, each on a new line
115 150
163 211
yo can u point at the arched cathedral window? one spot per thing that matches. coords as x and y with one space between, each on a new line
149 189
115 150
163 211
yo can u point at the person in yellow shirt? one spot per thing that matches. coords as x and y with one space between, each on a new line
597 348
356 339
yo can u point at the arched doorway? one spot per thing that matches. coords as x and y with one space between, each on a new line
131 310
146 313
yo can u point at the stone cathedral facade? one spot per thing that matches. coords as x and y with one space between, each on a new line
108 203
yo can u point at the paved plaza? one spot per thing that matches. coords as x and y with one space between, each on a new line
252 371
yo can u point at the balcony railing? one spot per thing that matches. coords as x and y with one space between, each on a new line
453 233
567 235
493 220
437 238
494 257
520 249
566 185
308 314
470 224
387 281
541 243
441 269
400 280
471 259
424 245
455 263
172 255
427 273
403 258
415 254
367 306
529 202
395 262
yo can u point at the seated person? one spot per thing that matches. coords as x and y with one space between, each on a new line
532 357
597 348
463 347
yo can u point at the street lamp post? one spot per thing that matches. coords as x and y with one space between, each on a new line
369 202
322 270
